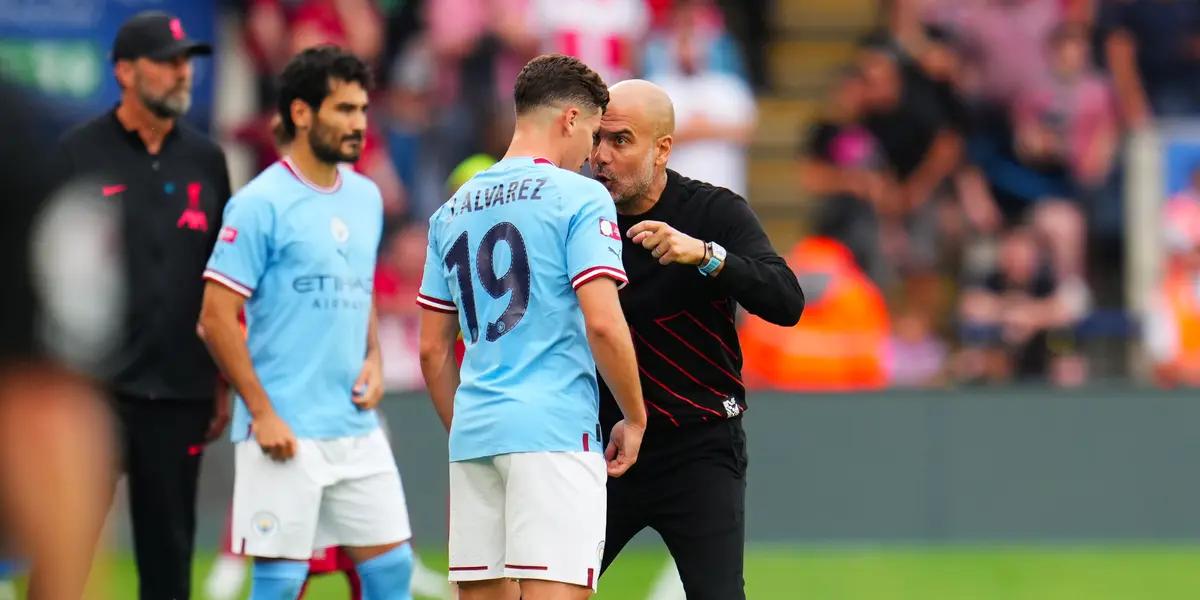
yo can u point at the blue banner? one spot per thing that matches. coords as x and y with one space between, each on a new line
60 49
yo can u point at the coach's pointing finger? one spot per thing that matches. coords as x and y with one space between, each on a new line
643 226
667 244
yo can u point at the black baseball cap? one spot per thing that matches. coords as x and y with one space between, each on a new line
155 35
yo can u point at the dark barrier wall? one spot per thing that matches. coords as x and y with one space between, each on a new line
1014 464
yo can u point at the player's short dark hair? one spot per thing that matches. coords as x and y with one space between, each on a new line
552 79
307 76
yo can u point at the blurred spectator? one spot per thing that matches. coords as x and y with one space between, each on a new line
842 167
1066 130
747 23
841 342
1068 121
1153 51
916 357
922 150
750 23
605 34
407 120
714 116
277 29
1172 329
700 23
478 46
938 60
1058 156
397 277
1002 41
1010 316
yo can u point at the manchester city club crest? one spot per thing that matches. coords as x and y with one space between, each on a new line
264 523
340 231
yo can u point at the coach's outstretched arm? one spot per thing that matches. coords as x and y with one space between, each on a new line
439 366
753 274
222 334
612 347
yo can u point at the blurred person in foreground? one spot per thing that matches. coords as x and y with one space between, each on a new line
298 252
61 298
696 252
171 183
1014 318
715 112
527 462
1172 327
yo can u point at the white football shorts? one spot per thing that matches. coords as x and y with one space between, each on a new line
528 515
333 492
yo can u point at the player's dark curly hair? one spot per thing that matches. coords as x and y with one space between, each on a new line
552 79
307 76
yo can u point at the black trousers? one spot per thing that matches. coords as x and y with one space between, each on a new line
689 485
162 442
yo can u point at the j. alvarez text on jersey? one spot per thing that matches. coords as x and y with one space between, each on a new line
474 200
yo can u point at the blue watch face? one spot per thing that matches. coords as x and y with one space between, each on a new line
718 252
714 260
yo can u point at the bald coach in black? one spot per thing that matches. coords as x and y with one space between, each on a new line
693 252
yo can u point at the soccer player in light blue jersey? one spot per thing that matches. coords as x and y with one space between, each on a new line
525 261
297 253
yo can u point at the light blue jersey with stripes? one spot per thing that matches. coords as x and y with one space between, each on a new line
304 257
506 254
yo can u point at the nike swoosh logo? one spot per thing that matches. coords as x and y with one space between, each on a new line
112 190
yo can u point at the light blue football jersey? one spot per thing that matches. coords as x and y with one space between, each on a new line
506 253
304 256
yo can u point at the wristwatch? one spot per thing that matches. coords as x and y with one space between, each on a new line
715 257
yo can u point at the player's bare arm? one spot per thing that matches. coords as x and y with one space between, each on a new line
612 346
221 333
368 388
439 332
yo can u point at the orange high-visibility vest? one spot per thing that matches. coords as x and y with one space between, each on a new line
841 340
1183 303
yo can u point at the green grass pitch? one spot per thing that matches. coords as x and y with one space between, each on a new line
1046 572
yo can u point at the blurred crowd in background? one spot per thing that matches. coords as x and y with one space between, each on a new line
956 209
961 191
966 177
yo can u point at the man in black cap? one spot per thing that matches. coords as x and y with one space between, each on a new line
172 184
